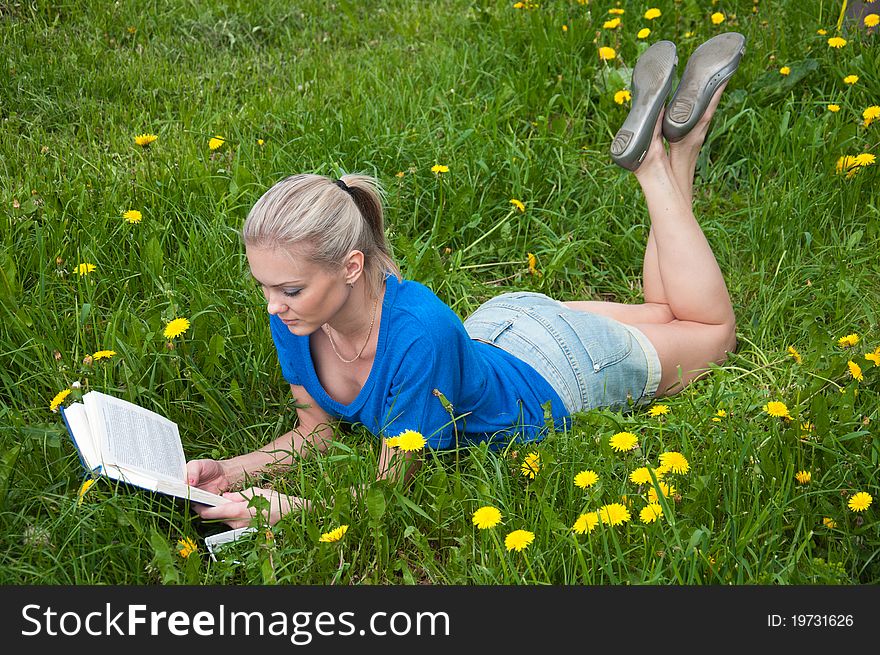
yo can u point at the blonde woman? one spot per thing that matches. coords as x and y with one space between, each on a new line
358 344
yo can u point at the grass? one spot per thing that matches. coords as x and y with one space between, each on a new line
517 108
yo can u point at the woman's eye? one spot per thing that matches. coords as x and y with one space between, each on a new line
291 292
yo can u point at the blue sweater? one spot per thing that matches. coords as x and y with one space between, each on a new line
423 346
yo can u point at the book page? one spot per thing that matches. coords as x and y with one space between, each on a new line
134 437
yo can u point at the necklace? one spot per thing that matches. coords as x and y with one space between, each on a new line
330 336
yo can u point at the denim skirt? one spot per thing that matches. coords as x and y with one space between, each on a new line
588 359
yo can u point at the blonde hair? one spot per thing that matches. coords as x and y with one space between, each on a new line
331 219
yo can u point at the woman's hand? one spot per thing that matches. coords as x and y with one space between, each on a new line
237 514
208 474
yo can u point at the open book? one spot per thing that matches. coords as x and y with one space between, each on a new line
128 442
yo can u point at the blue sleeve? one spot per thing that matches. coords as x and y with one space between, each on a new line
411 403
286 347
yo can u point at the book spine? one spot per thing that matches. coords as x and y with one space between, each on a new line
97 471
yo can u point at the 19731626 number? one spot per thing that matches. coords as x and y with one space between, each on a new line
821 620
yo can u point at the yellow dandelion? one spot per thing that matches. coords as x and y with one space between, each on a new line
186 547
614 514
675 462
860 502
658 410
855 371
586 479
622 96
643 33
486 517
777 409
836 42
806 426
144 140
175 328
874 357
829 522
821 32
260 142
848 164
720 414
606 53
400 174
666 489
612 24
870 114
795 354
85 268
623 441
642 475
651 512
850 79
215 142
132 216
410 440
519 540
84 487
848 341
803 477
586 523
652 13
871 20
565 28
833 108
334 535
617 11
518 204
785 70
439 168
392 442
531 465
104 354
533 263
718 18
865 159
58 399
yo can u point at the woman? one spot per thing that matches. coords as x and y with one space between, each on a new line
358 344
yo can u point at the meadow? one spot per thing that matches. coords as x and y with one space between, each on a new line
104 242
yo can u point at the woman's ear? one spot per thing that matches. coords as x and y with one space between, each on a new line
354 266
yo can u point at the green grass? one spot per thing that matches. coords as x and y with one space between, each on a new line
517 108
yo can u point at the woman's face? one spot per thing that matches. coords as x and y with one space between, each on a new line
300 292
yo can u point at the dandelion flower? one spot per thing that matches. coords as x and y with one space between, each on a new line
216 142
612 24
658 410
132 216
392 442
651 513
144 140
652 13
795 354
519 540
720 414
439 168
334 535
585 523
410 440
622 96
865 159
833 108
675 462
58 399
855 371
614 514
874 357
642 475
803 477
871 20
186 547
533 263
104 354
606 53
586 479
486 517
518 204
176 327
829 522
260 142
643 33
848 341
86 485
871 114
806 426
777 409
821 32
85 268
836 42
617 11
665 489
623 441
850 165
860 502
718 18
785 70
531 465
850 79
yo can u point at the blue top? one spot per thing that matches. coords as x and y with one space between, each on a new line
423 346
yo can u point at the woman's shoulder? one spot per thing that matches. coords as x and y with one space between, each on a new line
415 301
